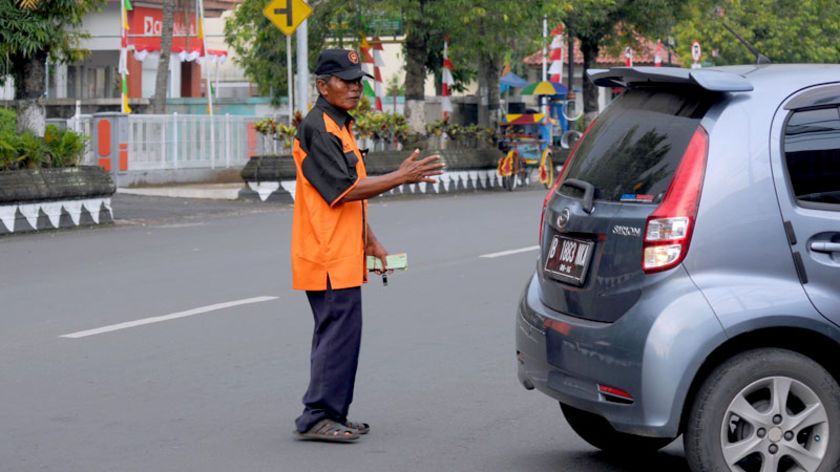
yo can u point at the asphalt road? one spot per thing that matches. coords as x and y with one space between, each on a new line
172 341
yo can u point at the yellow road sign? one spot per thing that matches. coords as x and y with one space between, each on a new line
287 14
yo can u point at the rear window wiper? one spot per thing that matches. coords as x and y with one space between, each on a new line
588 192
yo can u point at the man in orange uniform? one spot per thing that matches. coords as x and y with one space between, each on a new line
331 238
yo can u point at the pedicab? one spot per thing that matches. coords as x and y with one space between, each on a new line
526 141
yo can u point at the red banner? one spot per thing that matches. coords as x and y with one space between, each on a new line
148 22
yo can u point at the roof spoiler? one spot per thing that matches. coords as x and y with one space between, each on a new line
708 79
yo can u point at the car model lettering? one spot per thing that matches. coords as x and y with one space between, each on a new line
631 231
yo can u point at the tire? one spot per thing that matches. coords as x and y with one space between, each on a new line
515 174
599 432
548 165
509 181
736 411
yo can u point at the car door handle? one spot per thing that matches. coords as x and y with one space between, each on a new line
825 246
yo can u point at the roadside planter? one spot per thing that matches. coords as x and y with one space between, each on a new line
50 198
272 177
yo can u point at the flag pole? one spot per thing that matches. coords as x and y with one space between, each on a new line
123 66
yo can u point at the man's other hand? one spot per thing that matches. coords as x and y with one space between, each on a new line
415 171
375 249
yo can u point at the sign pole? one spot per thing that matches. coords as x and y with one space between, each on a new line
287 15
289 76
302 40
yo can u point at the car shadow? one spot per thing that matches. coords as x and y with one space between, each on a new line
598 461
662 460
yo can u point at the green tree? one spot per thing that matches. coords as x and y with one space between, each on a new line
509 23
421 18
783 30
480 33
605 23
31 32
261 47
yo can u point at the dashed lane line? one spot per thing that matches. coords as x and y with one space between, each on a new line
169 317
509 252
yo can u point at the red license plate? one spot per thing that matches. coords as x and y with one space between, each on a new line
568 259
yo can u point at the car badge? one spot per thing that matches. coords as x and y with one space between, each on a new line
563 218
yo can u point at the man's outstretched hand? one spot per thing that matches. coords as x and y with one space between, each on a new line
415 171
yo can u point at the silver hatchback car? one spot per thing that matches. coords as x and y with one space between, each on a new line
689 274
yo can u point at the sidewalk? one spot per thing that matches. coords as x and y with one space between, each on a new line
449 183
225 191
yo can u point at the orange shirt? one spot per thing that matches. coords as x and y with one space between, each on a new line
328 237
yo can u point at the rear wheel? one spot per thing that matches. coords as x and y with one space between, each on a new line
599 432
509 180
765 410
516 173
546 169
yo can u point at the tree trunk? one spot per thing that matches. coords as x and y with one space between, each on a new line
415 76
30 85
493 77
589 48
162 78
488 91
483 94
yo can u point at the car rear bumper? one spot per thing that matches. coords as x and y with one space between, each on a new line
651 353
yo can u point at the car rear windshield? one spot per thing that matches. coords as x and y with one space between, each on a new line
634 148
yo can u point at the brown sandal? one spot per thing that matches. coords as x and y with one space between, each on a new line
329 430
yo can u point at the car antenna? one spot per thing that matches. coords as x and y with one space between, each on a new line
759 58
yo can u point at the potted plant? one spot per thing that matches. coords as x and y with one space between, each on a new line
42 185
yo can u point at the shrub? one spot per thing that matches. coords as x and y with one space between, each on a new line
8 119
58 148
64 147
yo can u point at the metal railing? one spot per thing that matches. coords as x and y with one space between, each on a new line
187 141
163 142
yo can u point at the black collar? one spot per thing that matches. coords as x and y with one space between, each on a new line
341 117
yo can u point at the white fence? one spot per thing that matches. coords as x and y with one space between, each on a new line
187 141
171 142
163 142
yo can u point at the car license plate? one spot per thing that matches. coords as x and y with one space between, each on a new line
568 259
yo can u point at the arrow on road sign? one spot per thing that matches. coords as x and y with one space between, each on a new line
287 14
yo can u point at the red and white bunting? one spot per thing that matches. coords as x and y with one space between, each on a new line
367 63
377 76
142 53
446 80
657 58
558 55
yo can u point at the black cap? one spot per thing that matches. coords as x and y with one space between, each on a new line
342 63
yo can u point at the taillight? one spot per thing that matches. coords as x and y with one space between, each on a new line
669 227
560 176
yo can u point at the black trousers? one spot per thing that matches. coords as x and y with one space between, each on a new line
335 355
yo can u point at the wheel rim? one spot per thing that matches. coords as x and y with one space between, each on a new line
775 424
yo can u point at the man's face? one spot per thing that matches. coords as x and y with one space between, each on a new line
341 93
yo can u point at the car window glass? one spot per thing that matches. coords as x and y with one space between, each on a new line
812 155
633 150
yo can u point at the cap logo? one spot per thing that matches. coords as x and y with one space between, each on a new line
353 57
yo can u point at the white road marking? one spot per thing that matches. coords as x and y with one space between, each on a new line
172 316
509 252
